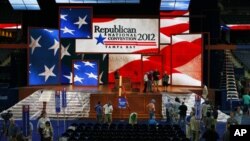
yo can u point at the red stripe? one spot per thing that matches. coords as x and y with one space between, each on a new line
102 20
9 25
125 42
174 13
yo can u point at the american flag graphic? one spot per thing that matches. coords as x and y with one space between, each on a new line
43 56
67 56
86 73
182 60
239 26
10 26
186 59
171 24
76 22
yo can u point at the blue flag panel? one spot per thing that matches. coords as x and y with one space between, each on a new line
76 22
43 56
85 73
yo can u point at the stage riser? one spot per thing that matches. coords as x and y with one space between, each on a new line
137 103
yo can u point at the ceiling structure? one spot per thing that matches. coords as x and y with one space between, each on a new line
47 16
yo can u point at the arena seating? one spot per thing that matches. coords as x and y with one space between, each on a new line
123 132
243 57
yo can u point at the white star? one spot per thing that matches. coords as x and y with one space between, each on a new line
66 30
50 31
47 72
64 51
55 46
91 75
29 68
76 66
87 63
81 21
62 16
79 79
69 77
100 78
34 43
104 56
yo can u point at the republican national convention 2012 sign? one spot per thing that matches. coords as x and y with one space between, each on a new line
121 36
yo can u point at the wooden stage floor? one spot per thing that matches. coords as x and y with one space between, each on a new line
108 89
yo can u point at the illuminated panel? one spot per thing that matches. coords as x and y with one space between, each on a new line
172 25
168 5
165 51
120 35
10 26
239 26
44 56
129 65
24 4
76 22
97 1
85 73
187 59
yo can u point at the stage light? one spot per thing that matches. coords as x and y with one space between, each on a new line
24 4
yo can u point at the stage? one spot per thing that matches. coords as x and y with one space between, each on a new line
136 99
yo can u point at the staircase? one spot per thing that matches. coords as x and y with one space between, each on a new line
228 82
78 105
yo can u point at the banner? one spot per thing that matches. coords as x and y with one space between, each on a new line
121 36
57 101
122 102
64 98
26 120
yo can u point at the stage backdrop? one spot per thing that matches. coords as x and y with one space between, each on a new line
43 56
121 35
75 22
85 72
129 65
171 24
187 59
68 55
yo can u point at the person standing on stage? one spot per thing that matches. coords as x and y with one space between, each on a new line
150 81
156 77
108 109
151 109
116 76
98 109
165 79
145 78
41 123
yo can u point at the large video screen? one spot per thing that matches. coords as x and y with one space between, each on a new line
75 22
187 59
128 65
172 25
121 35
44 56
